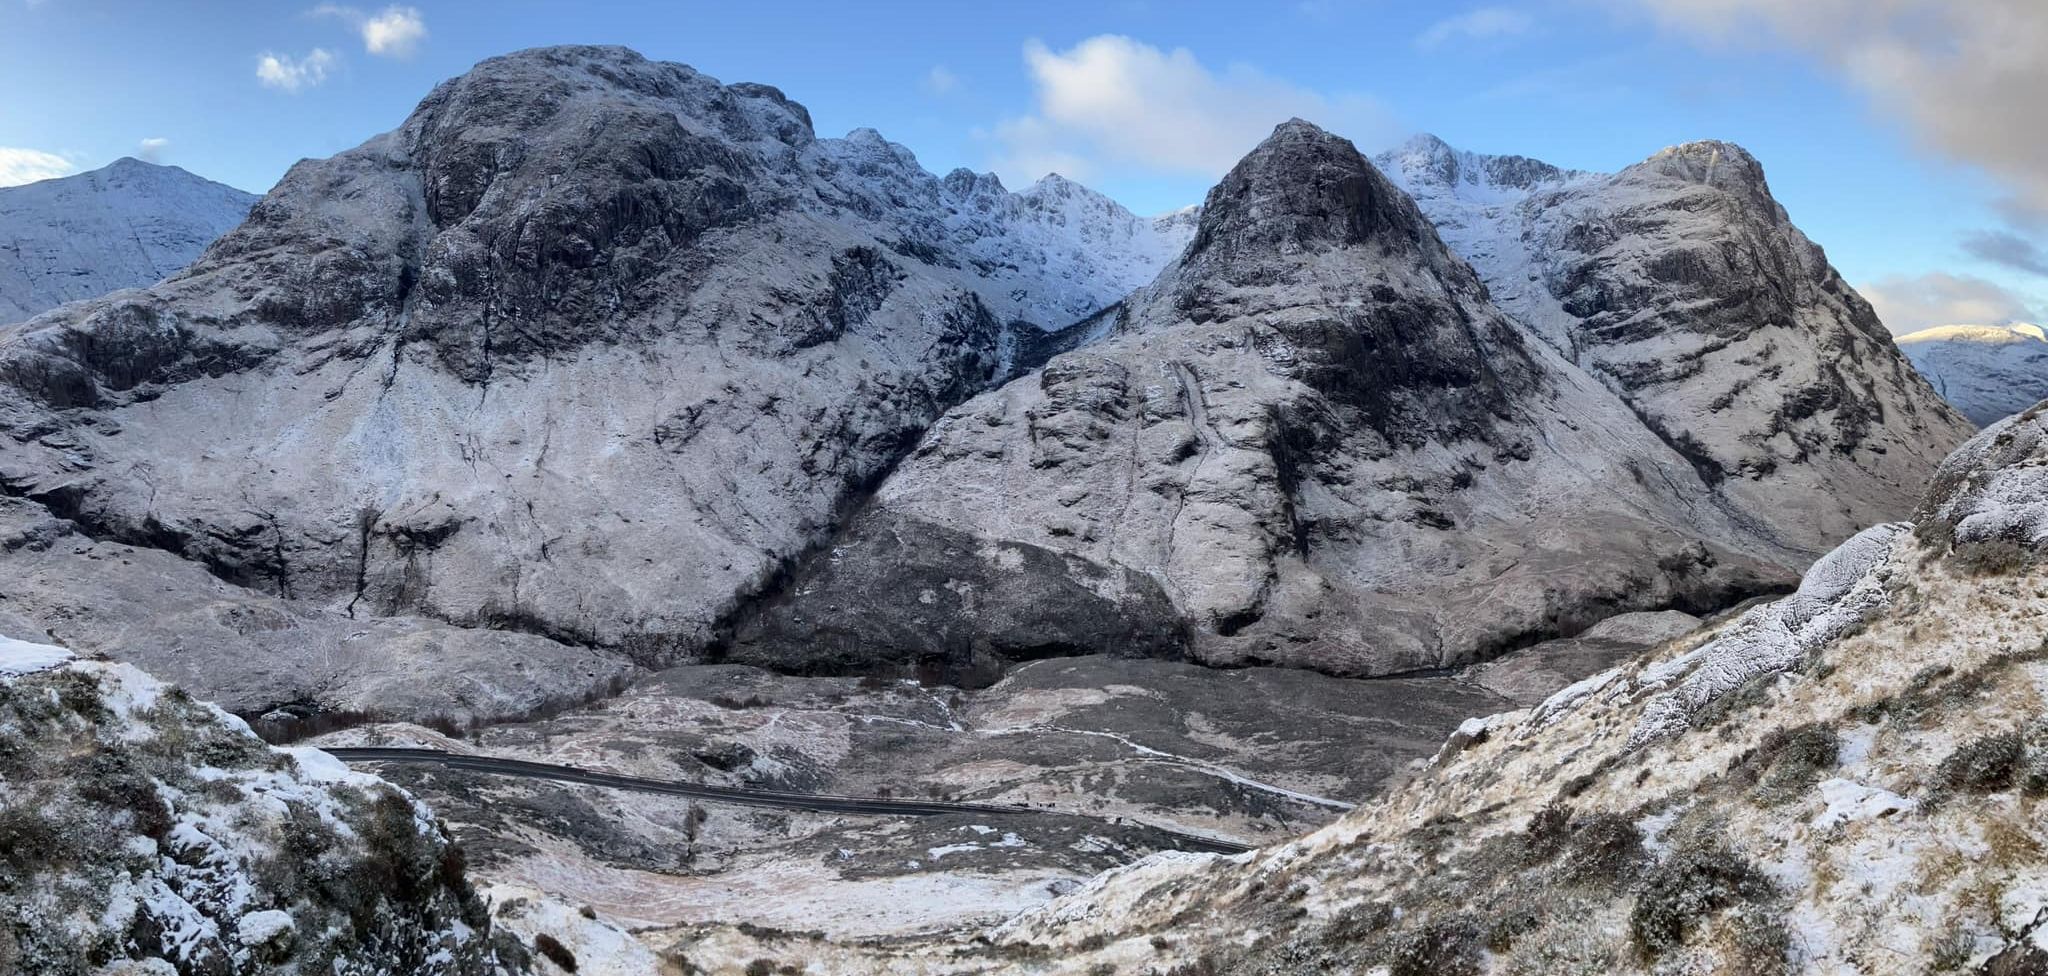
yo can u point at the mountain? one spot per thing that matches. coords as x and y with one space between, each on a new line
545 383
1987 371
125 225
1847 779
1682 285
1315 441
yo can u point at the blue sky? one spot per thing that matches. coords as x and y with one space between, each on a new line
1147 101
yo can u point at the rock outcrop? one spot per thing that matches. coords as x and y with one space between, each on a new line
1313 442
128 224
144 832
589 348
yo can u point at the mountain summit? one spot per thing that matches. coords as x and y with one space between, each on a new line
125 225
1681 284
1987 371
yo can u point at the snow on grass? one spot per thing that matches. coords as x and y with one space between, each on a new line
1850 801
601 947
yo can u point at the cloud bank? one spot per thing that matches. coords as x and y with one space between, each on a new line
1483 24
2008 249
394 32
1114 103
1965 78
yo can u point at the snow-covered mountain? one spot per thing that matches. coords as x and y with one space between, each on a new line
1307 438
1317 429
584 352
1066 250
1986 371
126 225
1682 285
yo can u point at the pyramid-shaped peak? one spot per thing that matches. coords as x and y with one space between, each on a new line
1301 188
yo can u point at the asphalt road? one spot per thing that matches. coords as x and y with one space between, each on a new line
823 803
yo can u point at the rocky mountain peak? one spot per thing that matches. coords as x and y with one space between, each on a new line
1722 166
124 225
1301 189
966 184
568 259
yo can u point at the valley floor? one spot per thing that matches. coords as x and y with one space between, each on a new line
1118 755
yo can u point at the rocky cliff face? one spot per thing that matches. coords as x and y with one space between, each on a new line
1303 444
126 225
1989 372
1684 287
588 348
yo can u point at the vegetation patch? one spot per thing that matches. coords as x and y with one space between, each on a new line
1686 889
1985 764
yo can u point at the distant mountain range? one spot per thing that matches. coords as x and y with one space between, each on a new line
125 225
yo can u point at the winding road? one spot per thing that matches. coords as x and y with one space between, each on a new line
744 796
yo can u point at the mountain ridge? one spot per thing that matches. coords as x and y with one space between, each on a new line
1276 450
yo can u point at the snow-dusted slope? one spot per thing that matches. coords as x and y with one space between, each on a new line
1683 286
1988 372
126 225
143 832
588 348
1851 780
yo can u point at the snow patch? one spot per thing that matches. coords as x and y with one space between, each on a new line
21 657
1848 801
259 928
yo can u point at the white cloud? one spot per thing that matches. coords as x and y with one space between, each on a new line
397 32
18 166
1483 24
940 80
1909 304
1111 102
394 32
152 148
1966 78
287 74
